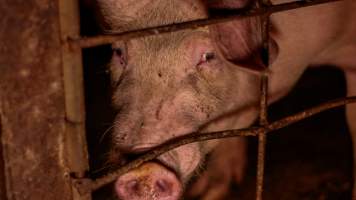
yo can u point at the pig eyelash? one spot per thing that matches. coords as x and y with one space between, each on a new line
206 57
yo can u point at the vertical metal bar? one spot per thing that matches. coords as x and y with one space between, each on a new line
75 151
32 105
3 195
262 139
263 118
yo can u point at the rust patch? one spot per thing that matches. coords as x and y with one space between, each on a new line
32 97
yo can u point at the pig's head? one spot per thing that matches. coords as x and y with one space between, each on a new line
170 85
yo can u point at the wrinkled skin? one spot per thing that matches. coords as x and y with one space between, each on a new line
203 80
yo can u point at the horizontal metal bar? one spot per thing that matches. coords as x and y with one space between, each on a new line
85 186
227 16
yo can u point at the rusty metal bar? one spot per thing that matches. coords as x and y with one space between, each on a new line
262 138
3 191
229 15
263 118
32 104
85 186
75 155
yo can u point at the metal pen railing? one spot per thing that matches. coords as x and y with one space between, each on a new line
264 8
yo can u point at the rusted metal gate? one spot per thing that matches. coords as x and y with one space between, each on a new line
41 101
43 150
265 9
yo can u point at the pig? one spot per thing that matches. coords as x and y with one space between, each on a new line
208 79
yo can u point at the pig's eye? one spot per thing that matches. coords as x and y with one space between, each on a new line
118 51
119 57
118 62
206 57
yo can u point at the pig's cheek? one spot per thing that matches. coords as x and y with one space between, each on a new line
184 160
116 69
189 157
212 70
186 102
207 67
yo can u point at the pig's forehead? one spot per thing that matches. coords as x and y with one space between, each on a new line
124 15
172 40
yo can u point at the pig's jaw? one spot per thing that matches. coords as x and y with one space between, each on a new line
183 160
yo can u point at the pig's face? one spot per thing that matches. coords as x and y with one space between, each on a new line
167 86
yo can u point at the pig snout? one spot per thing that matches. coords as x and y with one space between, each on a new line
149 181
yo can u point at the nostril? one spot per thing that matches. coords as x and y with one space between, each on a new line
148 181
133 186
163 186
129 189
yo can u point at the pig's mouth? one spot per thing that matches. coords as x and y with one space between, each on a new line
168 166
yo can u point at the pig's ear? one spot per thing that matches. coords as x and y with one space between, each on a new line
239 43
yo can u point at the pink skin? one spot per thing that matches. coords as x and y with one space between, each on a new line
166 86
180 103
170 85
150 181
